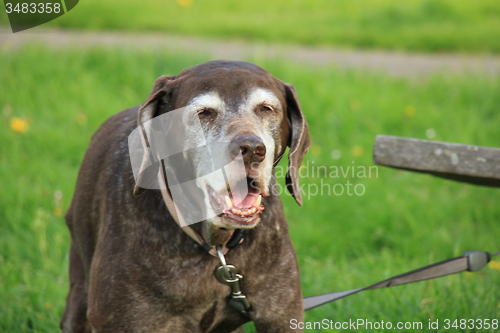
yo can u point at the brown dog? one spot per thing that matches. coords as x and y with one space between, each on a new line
134 269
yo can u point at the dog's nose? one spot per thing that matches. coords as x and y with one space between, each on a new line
251 147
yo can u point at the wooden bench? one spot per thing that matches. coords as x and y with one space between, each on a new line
465 163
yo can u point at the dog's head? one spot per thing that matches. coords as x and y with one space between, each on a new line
250 117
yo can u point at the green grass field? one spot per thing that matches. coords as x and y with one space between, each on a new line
417 25
403 221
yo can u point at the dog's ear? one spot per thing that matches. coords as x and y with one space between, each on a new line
158 102
298 142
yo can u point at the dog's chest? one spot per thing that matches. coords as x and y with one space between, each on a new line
195 296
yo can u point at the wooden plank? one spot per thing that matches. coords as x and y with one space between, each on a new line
471 164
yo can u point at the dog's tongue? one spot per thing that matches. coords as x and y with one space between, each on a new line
242 198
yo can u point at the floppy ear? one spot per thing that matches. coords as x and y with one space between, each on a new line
148 111
299 142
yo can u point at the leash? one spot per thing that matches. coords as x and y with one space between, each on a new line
471 261
227 274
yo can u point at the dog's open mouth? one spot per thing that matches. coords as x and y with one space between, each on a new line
238 205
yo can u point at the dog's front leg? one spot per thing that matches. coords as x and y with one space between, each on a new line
278 305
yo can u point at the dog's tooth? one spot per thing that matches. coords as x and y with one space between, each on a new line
252 210
236 211
258 201
229 204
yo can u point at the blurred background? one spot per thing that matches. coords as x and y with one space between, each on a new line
425 69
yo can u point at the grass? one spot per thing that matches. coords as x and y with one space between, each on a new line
403 221
416 25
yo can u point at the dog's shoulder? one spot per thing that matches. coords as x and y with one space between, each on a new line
116 126
110 139
106 156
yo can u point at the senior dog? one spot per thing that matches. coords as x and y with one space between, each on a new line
135 268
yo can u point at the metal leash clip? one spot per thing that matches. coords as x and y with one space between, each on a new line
227 274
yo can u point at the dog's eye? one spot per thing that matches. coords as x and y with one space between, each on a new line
266 108
207 114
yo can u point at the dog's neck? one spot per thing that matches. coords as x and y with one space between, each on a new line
211 234
269 228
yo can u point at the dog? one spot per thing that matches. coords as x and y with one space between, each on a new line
134 268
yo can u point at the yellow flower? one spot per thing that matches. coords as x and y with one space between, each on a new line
19 125
316 150
410 111
494 265
185 3
57 212
357 151
81 118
